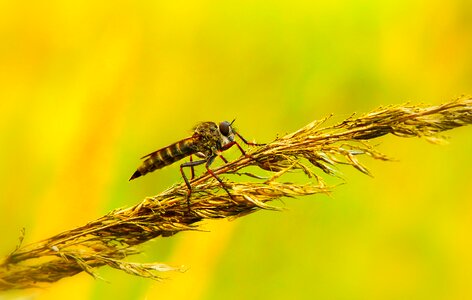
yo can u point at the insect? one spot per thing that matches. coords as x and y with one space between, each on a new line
207 142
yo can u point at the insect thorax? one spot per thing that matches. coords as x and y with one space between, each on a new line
209 138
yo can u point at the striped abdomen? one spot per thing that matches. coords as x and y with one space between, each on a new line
165 156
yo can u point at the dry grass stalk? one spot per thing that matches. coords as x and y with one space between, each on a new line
111 238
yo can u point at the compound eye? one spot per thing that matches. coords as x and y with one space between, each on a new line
224 128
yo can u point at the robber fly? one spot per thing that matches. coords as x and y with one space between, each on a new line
207 142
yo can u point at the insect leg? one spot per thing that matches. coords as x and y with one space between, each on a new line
198 154
207 165
246 142
192 171
231 144
223 158
190 164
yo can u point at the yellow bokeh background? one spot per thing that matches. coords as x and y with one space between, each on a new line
87 87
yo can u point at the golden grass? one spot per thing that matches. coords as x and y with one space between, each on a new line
111 238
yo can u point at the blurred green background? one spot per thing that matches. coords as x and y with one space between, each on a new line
87 87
